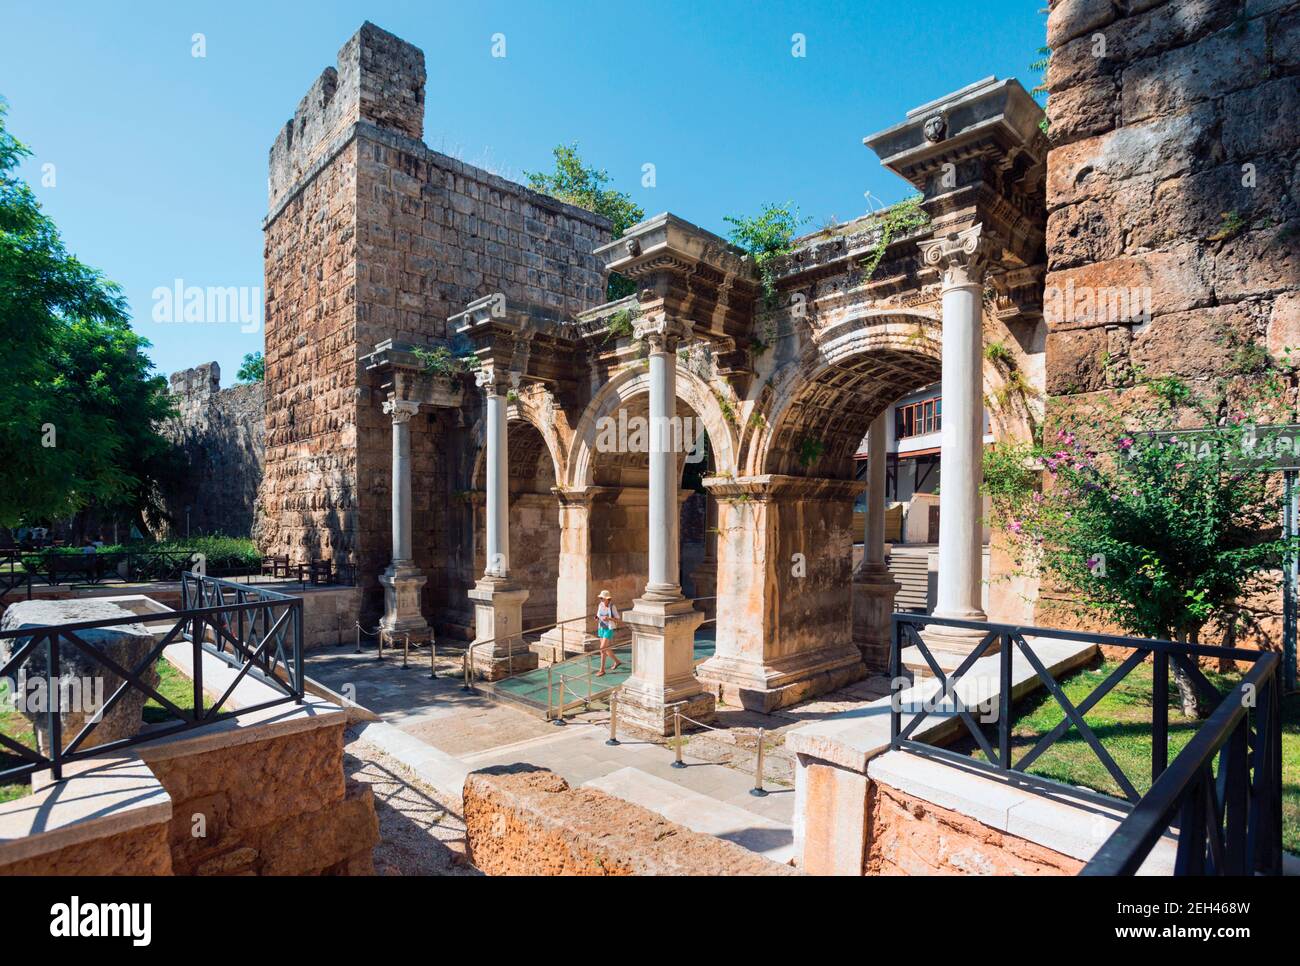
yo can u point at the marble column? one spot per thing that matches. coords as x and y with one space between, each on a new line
874 586
963 259
402 581
500 649
663 622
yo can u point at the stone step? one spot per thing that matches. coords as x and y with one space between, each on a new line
700 813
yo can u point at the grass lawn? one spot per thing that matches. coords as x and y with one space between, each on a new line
1122 723
172 684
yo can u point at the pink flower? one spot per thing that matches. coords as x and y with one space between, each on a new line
1126 443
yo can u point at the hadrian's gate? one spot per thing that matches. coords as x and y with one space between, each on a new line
479 504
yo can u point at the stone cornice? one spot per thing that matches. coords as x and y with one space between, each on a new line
396 370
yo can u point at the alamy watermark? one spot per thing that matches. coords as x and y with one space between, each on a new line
208 305
656 434
1097 305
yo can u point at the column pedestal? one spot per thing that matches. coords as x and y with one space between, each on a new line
498 619
873 610
403 585
663 668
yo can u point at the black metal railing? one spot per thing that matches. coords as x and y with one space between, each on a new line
1218 837
258 632
55 567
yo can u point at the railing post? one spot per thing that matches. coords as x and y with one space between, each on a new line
55 721
1159 713
406 652
677 738
380 639
613 721
895 666
1004 704
758 789
358 626
300 673
433 658
196 632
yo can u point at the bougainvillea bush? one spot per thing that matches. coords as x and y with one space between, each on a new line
1160 518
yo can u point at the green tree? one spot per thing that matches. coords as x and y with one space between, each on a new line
1160 530
253 368
766 236
586 187
79 406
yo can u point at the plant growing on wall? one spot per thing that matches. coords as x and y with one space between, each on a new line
252 369
1159 531
766 237
894 222
441 361
810 450
619 325
586 186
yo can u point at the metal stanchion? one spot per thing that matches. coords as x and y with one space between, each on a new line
358 639
380 655
558 720
677 738
613 721
406 652
758 789
433 659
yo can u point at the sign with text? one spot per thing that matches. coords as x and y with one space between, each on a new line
1259 448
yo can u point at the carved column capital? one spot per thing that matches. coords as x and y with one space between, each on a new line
962 256
496 380
401 410
662 332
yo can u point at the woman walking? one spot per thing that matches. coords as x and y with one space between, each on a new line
607 618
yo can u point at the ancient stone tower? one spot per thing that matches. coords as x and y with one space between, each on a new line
370 236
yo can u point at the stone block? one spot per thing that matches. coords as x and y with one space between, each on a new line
84 685
523 820
835 821
1126 290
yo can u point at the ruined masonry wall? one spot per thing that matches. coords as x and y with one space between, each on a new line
222 437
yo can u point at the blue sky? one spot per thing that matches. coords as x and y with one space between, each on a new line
160 157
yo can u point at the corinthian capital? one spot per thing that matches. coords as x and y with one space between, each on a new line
496 380
962 256
662 332
401 409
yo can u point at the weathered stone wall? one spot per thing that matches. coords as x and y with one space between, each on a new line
222 436
278 806
370 236
523 820
1174 173
910 836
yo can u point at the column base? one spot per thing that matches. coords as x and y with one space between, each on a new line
403 585
874 590
499 649
663 673
949 646
764 688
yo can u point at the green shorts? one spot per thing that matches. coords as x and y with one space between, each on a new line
605 632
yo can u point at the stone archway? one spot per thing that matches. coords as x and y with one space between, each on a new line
604 509
785 569
535 468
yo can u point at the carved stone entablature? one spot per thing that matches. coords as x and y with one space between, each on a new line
397 371
985 162
963 257
528 340
690 273
1018 293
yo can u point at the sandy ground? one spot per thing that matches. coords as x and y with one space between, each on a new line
420 833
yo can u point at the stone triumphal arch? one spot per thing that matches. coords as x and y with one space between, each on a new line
488 497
